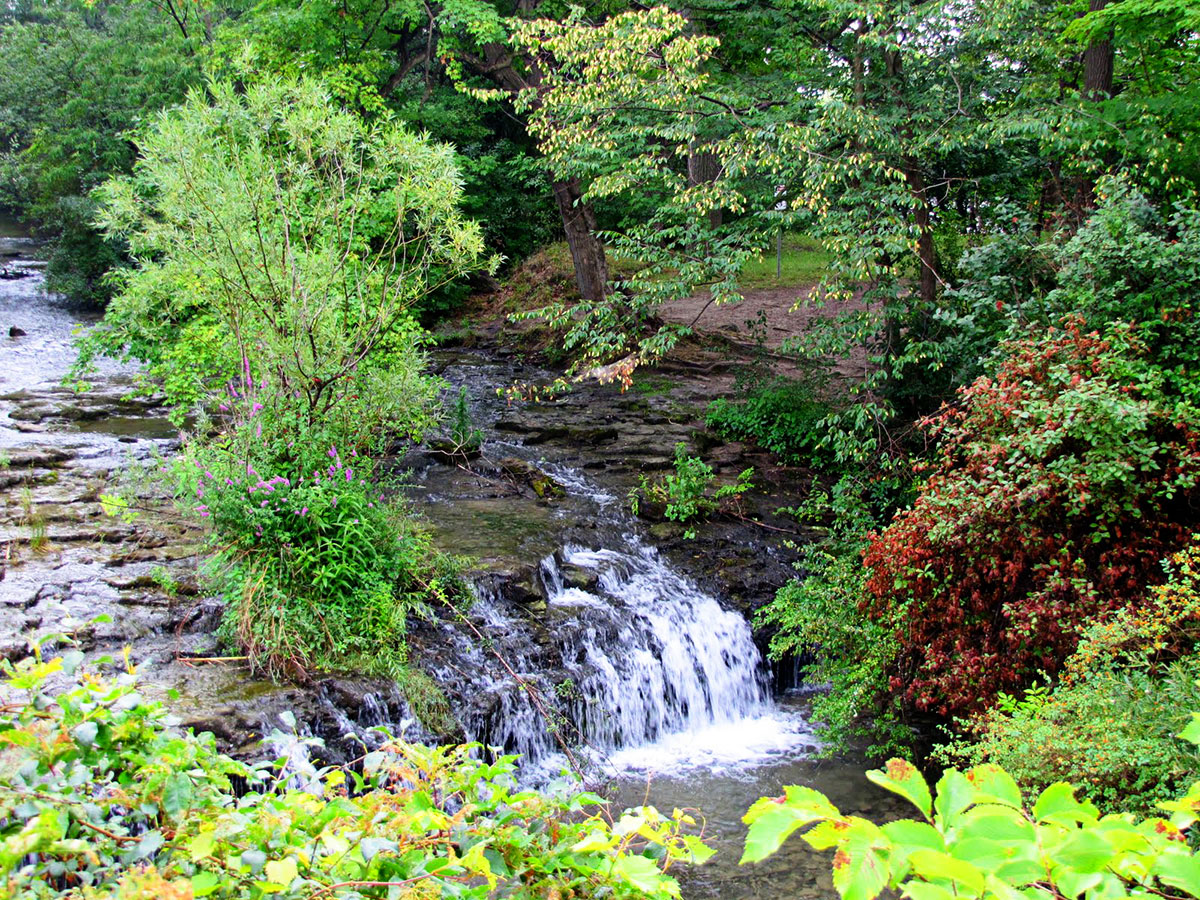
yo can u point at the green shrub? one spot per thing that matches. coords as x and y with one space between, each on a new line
467 438
688 492
317 569
100 799
1058 486
817 615
781 415
281 246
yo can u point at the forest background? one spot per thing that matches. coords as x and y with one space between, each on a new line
1005 200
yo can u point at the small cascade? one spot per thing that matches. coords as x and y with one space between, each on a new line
627 653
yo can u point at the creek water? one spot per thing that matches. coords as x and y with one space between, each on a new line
659 683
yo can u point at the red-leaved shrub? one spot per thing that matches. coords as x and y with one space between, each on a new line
1061 483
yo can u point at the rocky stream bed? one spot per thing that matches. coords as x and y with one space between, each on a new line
636 632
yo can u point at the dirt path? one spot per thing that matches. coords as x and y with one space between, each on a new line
766 316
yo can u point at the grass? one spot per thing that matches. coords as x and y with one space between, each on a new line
39 540
804 262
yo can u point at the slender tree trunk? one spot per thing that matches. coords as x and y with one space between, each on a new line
1098 63
704 168
578 217
587 252
926 249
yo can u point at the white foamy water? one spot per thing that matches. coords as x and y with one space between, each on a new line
641 669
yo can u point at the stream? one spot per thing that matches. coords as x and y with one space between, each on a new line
635 635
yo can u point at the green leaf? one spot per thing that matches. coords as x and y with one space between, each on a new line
954 795
1071 883
923 890
1179 870
861 863
202 845
699 852
902 777
643 874
1191 731
204 883
909 833
773 819
282 871
1083 851
595 841
931 864
149 844
178 794
1058 804
85 733
991 784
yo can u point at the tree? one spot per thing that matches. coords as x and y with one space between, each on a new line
406 57
78 77
279 238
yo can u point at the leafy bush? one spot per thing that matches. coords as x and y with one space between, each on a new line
817 616
979 838
1110 724
100 798
781 415
1129 262
1058 485
278 234
467 438
1133 263
688 492
317 570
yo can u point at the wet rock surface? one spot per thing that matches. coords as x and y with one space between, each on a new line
601 440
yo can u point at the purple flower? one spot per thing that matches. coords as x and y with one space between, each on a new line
332 453
257 408
334 500
264 503
304 512
349 474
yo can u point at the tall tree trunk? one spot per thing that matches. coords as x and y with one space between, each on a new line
578 217
926 249
1098 63
704 168
587 252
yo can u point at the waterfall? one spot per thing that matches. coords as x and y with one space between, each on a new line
628 655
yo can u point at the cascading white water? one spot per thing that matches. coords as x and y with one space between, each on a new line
634 660
658 655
